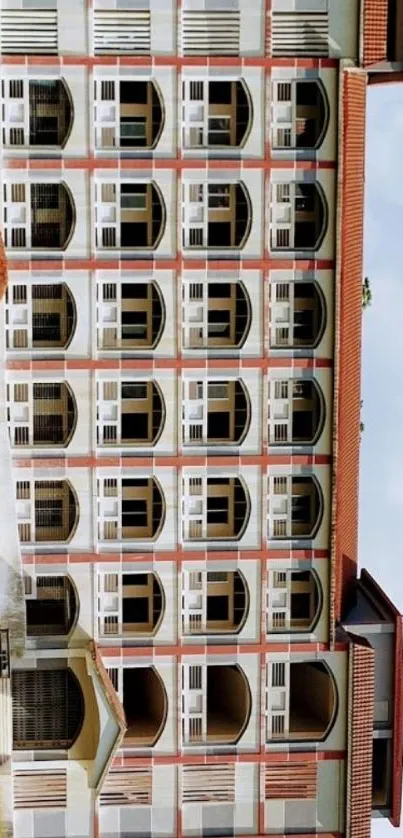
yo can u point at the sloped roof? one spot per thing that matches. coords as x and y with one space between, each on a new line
348 321
374 35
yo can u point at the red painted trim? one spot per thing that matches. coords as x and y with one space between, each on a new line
207 759
175 61
174 264
184 650
178 364
178 556
118 165
177 462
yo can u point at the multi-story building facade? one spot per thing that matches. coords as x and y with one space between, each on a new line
181 205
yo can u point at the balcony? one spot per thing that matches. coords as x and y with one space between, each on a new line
215 412
145 703
129 414
214 508
41 415
130 509
38 216
48 709
297 315
216 315
128 115
295 507
296 412
217 114
47 511
51 604
300 114
299 216
38 113
216 216
301 700
214 602
216 702
40 317
293 601
131 316
129 216
130 604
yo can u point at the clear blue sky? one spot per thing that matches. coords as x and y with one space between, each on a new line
381 485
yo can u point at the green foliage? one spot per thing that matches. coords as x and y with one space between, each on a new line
366 293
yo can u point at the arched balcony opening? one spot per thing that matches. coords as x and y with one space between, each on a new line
130 414
313 700
55 414
216 215
50 113
297 315
306 506
142 604
300 114
131 316
143 508
299 216
215 412
216 114
214 602
296 412
228 703
214 508
37 112
48 709
53 216
51 606
145 703
294 601
54 316
216 315
130 215
295 507
129 114
47 510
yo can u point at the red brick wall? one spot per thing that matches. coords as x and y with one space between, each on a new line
375 31
361 714
350 316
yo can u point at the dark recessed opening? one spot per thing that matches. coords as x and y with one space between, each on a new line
217 510
144 703
220 93
134 513
219 234
380 773
134 234
217 608
135 609
218 425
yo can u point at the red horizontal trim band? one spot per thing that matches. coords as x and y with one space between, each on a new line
206 759
186 649
176 164
178 461
179 264
153 364
209 759
178 556
166 61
